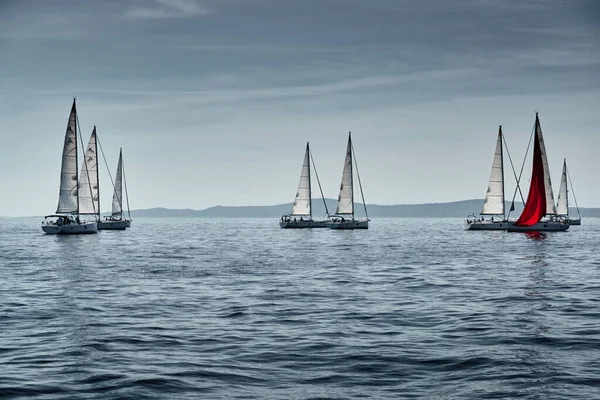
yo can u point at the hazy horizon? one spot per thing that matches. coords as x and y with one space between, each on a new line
213 101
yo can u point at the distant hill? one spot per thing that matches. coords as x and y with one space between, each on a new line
456 209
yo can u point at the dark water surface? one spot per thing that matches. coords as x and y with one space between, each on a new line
240 309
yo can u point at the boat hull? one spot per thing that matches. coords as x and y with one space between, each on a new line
542 226
487 226
70 229
364 224
575 221
302 224
113 225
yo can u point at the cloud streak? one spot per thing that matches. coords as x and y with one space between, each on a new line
169 9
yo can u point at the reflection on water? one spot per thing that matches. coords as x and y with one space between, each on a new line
536 235
537 356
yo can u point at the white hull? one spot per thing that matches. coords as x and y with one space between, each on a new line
302 224
542 226
487 225
113 225
70 229
351 224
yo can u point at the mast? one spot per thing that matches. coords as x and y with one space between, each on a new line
562 204
309 186
345 203
68 193
351 172
502 168
536 207
566 187
117 206
76 153
494 197
302 202
97 173
126 194
549 194
360 185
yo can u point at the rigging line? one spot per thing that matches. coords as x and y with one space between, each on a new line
523 166
513 168
125 183
359 183
109 174
86 169
319 182
572 191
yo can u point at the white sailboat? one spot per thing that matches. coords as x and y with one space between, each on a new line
562 204
494 204
66 220
540 200
117 220
303 203
344 213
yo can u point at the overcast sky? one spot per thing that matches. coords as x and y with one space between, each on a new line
213 100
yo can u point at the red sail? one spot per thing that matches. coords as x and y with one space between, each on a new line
535 208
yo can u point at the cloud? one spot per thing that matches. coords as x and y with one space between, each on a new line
169 9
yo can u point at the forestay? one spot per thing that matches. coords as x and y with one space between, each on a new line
67 198
302 202
494 198
345 204
88 179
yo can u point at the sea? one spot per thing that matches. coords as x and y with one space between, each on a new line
241 309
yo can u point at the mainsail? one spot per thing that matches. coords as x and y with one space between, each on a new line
562 205
302 202
117 201
535 208
88 179
345 204
550 208
494 198
67 198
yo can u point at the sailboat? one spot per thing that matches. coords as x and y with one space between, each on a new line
494 198
116 220
303 203
66 220
540 200
562 204
344 213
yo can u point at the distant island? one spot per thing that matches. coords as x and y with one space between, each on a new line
455 209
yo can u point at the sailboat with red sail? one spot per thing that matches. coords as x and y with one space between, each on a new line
540 200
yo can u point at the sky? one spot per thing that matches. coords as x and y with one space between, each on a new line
213 101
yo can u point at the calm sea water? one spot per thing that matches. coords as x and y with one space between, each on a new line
240 309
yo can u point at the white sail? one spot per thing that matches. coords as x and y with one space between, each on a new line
550 208
345 204
117 201
88 179
562 204
494 198
302 202
67 198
